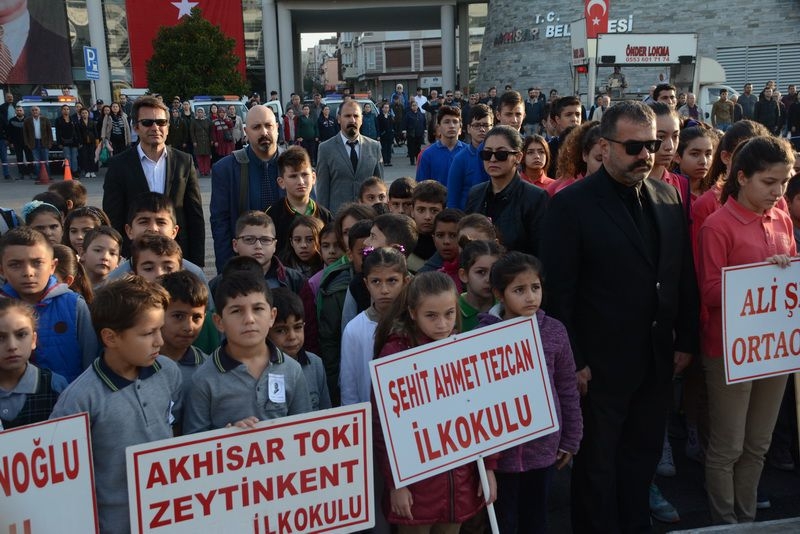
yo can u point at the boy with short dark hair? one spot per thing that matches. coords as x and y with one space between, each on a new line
151 213
296 176
445 238
429 198
66 344
400 195
183 321
154 255
287 334
130 392
72 191
247 379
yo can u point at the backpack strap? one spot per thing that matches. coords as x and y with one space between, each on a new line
244 178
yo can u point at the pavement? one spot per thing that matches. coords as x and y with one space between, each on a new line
685 491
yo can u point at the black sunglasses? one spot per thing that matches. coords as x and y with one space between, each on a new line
633 148
499 155
147 123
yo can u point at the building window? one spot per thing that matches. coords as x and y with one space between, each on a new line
432 57
398 58
371 62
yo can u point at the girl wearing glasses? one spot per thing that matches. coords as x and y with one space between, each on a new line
515 206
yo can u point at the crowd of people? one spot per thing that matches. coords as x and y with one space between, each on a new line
625 224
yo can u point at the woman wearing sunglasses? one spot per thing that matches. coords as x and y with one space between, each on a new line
515 207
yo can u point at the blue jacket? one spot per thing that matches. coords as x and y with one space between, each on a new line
67 343
465 172
224 206
434 163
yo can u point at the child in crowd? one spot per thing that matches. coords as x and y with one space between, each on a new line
302 251
695 150
67 344
153 213
668 130
401 192
130 392
183 321
372 191
331 300
70 271
247 379
154 255
255 237
287 334
296 176
54 199
330 250
385 276
535 161
101 254
445 239
72 191
475 226
78 222
27 393
427 311
524 472
749 228
45 218
428 199
476 260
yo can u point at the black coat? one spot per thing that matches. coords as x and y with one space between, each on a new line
621 310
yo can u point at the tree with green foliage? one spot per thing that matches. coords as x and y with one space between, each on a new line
194 58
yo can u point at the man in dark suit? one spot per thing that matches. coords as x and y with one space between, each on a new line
36 54
153 166
620 276
344 161
6 113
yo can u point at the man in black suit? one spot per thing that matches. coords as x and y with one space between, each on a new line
153 166
620 276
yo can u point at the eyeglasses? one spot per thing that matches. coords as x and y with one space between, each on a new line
633 148
251 240
499 155
147 123
481 125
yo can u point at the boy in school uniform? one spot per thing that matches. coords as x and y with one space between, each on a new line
287 334
247 379
183 321
296 176
66 341
401 193
154 255
428 199
445 239
130 391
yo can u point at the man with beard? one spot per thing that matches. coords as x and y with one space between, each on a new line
245 180
621 279
346 160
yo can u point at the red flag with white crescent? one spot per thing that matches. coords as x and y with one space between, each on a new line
596 12
145 17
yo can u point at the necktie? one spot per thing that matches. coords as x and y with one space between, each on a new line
353 155
5 59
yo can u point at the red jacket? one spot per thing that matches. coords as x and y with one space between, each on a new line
450 497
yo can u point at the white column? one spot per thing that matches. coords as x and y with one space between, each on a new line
269 38
463 46
448 47
97 38
285 40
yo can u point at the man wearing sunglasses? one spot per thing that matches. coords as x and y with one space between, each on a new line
152 166
620 278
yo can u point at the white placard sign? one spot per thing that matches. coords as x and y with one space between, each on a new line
46 477
647 48
447 403
760 320
306 473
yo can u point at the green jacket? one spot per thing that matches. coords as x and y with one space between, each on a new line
330 301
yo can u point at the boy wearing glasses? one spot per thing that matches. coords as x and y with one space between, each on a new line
152 166
296 177
256 238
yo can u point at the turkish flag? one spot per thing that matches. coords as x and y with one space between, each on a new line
596 12
145 18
